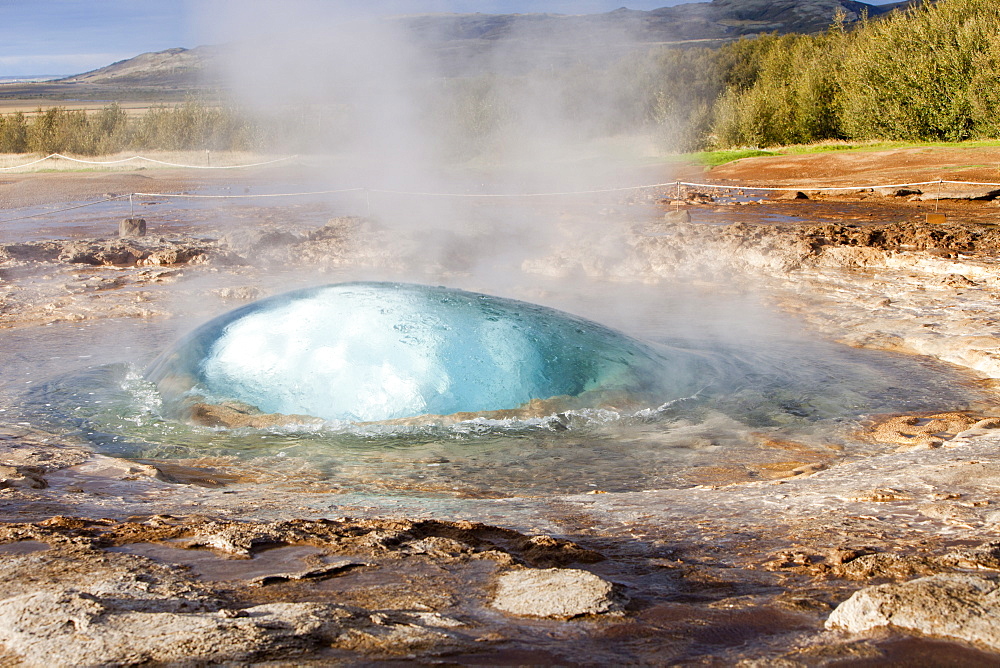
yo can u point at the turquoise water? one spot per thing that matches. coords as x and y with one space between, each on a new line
757 395
363 352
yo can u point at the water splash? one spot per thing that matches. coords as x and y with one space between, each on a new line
365 352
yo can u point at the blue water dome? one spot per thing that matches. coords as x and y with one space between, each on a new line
364 352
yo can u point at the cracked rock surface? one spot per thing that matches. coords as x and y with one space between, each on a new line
964 607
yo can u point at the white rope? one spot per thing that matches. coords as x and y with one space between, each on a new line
829 188
800 187
553 194
27 164
69 208
718 186
59 156
253 164
972 183
411 193
56 156
404 192
247 196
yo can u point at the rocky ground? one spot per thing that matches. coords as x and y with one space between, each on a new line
888 560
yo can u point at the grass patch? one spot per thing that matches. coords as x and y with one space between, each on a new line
716 158
195 157
828 147
958 167
825 147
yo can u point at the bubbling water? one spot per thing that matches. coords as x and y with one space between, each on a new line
367 352
766 398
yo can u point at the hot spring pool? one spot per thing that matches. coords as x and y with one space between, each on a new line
682 389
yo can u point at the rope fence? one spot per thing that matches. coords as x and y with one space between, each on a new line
369 191
248 196
718 186
59 156
68 208
669 184
715 186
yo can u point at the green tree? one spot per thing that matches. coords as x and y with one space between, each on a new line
14 133
919 74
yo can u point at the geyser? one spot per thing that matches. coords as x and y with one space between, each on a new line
382 351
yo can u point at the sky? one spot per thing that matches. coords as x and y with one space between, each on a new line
74 36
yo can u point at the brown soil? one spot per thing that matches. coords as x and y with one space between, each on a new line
723 574
36 189
849 168
863 206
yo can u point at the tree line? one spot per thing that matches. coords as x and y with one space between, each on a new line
191 125
928 73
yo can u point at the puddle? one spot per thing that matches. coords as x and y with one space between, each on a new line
514 657
292 562
24 547
177 215
927 652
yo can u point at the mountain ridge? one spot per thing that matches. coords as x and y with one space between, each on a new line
465 44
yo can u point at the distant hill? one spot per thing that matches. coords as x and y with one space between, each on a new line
173 67
469 43
715 20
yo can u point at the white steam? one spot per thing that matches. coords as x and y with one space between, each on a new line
395 102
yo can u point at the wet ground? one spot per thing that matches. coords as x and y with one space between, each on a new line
738 561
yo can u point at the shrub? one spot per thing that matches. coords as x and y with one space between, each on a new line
930 72
924 74
13 133
188 126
